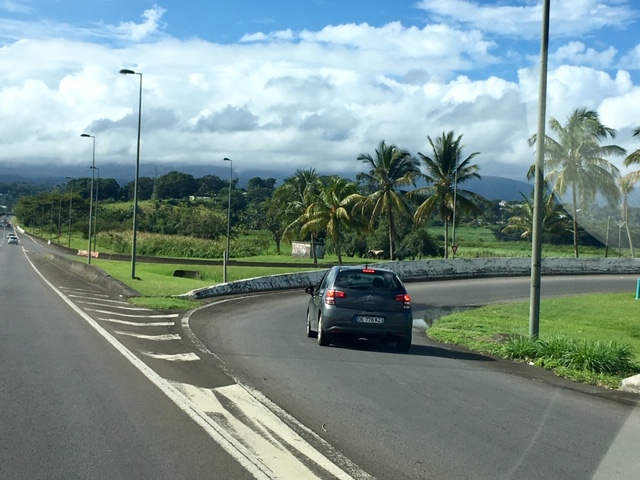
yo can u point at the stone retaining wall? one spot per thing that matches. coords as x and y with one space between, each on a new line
424 270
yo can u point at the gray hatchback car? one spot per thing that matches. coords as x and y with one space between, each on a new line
362 302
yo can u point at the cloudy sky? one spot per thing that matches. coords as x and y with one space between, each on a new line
278 85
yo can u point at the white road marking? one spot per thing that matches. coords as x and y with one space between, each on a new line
231 445
138 324
178 357
157 338
138 309
165 315
346 468
86 292
270 439
87 297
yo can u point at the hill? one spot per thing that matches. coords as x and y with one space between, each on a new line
498 188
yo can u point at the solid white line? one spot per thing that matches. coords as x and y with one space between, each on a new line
157 338
138 324
167 315
217 432
178 357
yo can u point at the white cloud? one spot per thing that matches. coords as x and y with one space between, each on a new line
567 17
16 6
576 53
288 100
139 31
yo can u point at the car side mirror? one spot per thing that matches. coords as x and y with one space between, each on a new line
309 290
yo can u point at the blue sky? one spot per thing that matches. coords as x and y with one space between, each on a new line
282 84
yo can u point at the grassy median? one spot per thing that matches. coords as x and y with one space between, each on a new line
592 339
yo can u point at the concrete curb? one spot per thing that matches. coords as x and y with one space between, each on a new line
93 274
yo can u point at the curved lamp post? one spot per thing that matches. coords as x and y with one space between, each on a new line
125 71
93 166
226 253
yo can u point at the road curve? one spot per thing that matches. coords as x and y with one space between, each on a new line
436 412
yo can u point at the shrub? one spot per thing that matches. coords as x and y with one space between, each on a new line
560 353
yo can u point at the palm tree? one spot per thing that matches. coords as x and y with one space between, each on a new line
300 192
333 211
627 184
390 169
553 223
577 163
633 157
445 170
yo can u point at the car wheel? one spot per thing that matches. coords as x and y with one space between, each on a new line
310 332
404 343
323 337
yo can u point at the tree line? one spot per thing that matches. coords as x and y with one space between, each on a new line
386 207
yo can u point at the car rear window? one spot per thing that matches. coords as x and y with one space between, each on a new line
370 280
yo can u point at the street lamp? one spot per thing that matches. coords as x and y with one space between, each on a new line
454 247
226 253
95 215
125 71
93 166
70 203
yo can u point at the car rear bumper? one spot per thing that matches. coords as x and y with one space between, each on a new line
396 324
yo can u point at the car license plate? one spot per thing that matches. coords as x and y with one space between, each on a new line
366 319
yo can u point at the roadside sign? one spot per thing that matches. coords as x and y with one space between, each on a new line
454 249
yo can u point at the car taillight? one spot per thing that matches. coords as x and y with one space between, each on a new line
330 297
405 299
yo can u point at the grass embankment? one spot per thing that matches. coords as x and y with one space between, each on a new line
592 339
157 284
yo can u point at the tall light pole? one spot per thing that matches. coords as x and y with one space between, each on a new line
454 247
95 214
125 71
538 186
226 253
70 204
93 167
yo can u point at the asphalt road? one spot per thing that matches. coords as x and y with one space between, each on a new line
71 405
92 388
436 412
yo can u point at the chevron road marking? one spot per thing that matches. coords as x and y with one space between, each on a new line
138 324
178 357
156 338
165 315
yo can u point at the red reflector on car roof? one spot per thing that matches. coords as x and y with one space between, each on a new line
368 270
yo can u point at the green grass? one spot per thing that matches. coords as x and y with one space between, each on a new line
588 338
157 284
479 242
